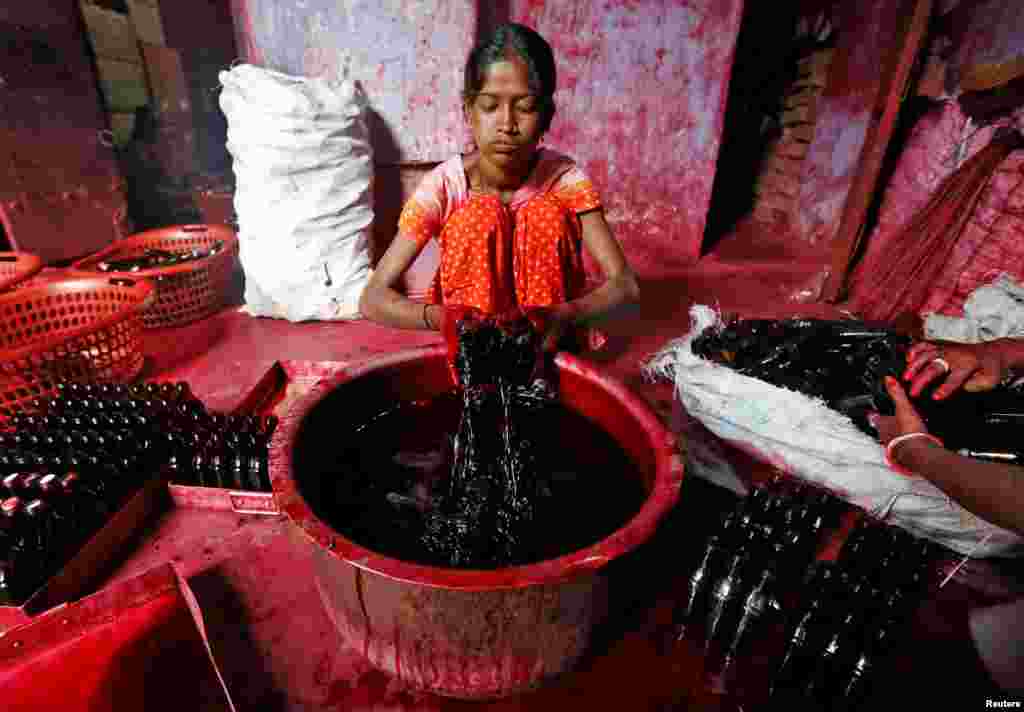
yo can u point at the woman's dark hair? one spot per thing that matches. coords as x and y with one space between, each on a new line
527 45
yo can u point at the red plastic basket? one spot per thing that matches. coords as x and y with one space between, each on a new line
74 328
185 292
16 267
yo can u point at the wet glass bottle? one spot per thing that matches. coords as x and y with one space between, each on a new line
854 688
8 596
259 476
11 484
30 484
238 467
840 648
20 566
694 607
88 510
725 595
40 535
804 633
759 602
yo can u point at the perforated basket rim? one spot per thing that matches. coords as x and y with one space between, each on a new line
26 266
143 288
223 232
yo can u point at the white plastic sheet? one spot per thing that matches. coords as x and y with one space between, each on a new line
303 170
802 436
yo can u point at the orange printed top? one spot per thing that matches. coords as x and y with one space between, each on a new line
446 189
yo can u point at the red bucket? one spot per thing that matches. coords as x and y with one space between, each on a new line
465 633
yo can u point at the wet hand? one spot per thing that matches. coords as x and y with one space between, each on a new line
974 367
447 323
552 323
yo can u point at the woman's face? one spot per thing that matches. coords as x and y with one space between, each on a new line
506 116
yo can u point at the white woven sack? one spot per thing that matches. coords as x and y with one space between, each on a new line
991 311
303 170
802 436
273 93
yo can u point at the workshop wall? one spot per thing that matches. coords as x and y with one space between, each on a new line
61 194
641 99
940 141
984 32
844 112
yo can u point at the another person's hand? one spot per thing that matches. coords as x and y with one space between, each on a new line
905 421
974 367
896 430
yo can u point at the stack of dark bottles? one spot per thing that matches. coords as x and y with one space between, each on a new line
71 461
485 515
750 570
844 363
854 612
152 259
775 622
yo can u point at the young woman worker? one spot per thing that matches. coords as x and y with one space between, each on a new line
511 218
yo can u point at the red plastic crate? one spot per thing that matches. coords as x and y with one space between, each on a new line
185 292
69 328
16 267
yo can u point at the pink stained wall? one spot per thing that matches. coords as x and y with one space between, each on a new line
407 54
641 100
641 106
867 33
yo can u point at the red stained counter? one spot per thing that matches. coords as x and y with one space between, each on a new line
275 645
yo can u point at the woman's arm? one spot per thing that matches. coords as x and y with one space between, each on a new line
993 491
382 303
620 288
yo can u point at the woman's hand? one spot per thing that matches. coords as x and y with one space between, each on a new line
552 323
446 319
974 367
905 421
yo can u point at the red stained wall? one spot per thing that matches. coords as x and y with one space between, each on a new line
60 189
407 54
641 100
641 105
867 33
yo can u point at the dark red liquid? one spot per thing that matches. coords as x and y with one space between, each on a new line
385 474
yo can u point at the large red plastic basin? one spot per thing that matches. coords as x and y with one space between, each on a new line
462 633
